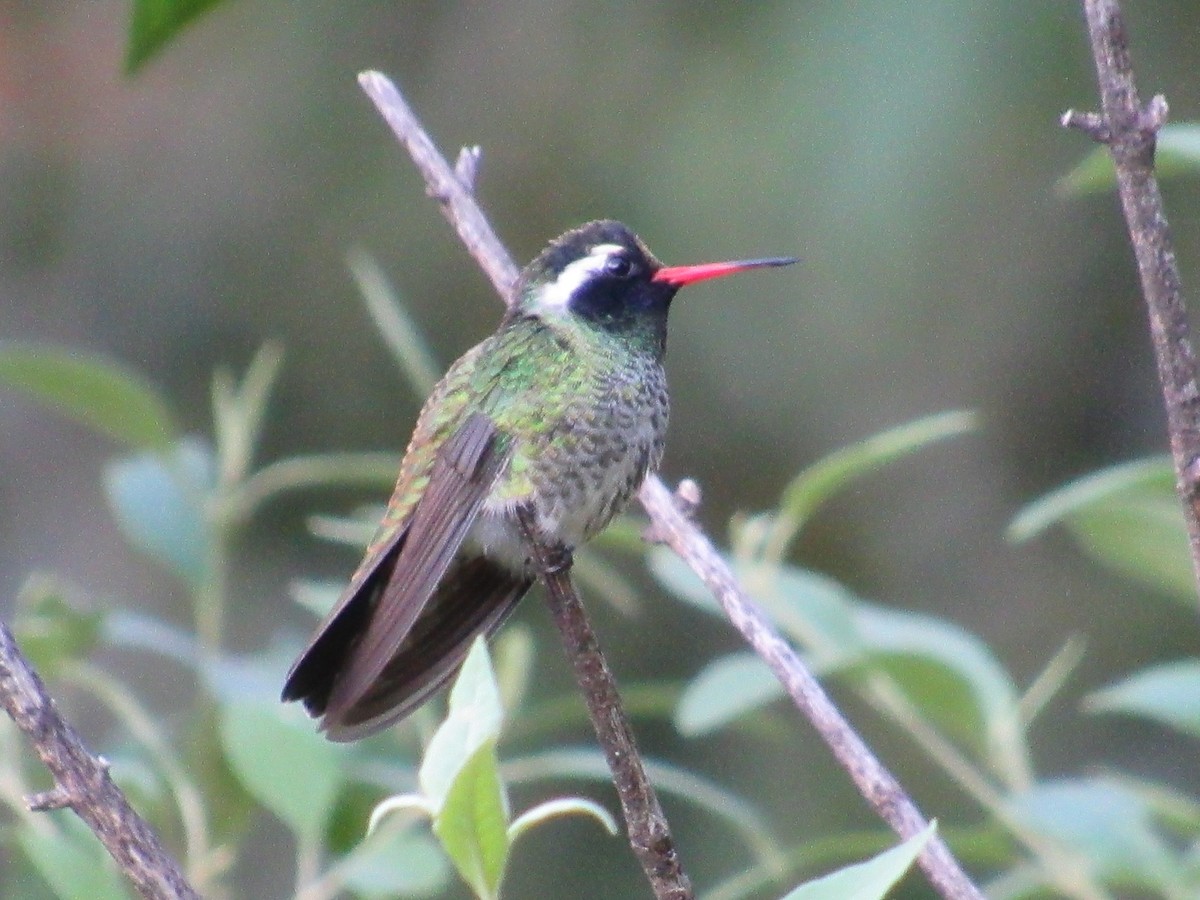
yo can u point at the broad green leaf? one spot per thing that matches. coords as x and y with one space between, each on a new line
73 862
283 762
673 574
951 675
728 687
870 880
472 721
94 391
395 861
1109 825
1168 694
472 823
1178 153
1126 516
160 502
824 478
155 23
51 626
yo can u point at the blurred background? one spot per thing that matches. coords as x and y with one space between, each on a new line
907 151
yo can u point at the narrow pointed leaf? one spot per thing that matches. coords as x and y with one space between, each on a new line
155 23
91 390
870 880
822 480
558 807
1168 694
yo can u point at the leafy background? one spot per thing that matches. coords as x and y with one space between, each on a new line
908 152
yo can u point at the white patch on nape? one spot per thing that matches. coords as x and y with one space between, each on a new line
556 295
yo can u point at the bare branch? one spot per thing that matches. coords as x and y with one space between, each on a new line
1130 130
669 523
444 185
873 780
646 824
82 782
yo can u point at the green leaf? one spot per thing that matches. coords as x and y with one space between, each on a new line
472 823
52 627
952 677
239 410
395 861
473 720
154 24
283 762
1178 153
316 470
160 502
1168 694
723 804
824 478
73 863
91 390
1127 517
870 880
557 808
949 673
123 628
728 687
1109 825
395 325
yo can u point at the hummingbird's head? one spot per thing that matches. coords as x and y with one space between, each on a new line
601 273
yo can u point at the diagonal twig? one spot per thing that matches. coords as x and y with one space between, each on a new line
873 780
82 782
1130 131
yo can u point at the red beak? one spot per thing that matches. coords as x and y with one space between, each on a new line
678 276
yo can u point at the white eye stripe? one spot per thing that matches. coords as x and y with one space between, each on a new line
557 294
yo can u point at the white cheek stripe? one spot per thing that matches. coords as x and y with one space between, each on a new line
557 294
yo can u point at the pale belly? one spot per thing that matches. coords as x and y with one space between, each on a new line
575 493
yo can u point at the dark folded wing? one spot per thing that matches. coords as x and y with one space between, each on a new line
460 478
475 597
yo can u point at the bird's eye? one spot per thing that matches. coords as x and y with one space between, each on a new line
618 266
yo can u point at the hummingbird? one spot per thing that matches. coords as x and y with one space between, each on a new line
555 420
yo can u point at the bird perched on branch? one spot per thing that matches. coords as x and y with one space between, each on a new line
560 415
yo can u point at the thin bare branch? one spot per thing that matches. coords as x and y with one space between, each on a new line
82 782
669 523
1130 131
646 824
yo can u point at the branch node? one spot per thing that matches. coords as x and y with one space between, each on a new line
466 167
686 499
1091 124
55 798
1154 116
